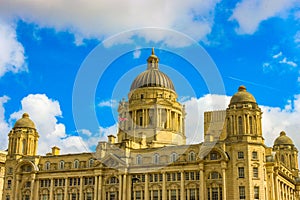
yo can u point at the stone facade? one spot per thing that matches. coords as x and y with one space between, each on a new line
149 159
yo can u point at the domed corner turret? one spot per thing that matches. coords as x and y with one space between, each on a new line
152 77
242 96
283 139
24 122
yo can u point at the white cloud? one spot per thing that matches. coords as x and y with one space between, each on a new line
99 19
277 55
137 54
276 119
110 103
44 112
85 132
250 13
195 117
4 126
288 62
12 58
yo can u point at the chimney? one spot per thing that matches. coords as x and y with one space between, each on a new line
55 151
111 139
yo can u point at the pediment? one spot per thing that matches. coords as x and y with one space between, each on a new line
112 161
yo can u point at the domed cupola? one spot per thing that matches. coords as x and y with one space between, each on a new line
244 117
23 138
286 151
152 116
152 77
24 122
283 139
242 96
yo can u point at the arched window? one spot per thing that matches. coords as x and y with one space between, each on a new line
138 159
61 164
156 158
23 146
112 180
240 123
192 156
47 165
251 124
91 162
214 175
76 164
173 157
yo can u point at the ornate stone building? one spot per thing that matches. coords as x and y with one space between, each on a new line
149 159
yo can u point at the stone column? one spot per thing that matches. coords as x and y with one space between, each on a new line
182 185
164 189
51 188
36 191
100 191
224 183
66 189
201 190
120 186
95 187
146 187
81 187
124 194
33 189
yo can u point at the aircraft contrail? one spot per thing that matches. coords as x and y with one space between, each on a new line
252 83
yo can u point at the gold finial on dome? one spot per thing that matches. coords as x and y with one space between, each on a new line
25 115
282 133
242 88
152 61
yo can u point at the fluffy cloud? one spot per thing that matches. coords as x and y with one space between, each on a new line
44 112
12 57
195 117
250 13
4 126
110 103
99 19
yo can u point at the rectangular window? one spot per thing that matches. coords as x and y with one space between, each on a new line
241 172
197 175
7 197
155 194
256 192
8 184
73 196
178 176
192 194
187 176
112 196
242 192
138 195
173 176
240 155
173 194
255 172
254 155
89 196
168 177
214 194
192 175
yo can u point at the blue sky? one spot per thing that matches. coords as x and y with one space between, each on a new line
69 68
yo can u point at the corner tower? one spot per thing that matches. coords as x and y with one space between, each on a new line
243 118
23 138
152 116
